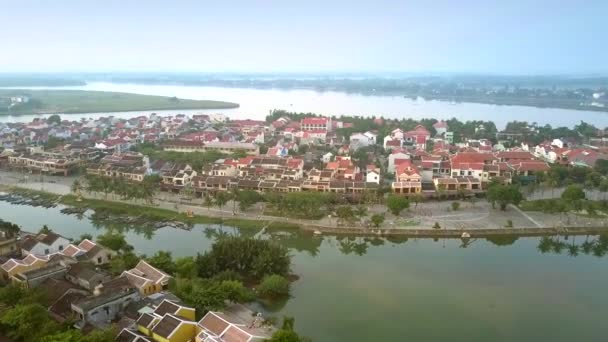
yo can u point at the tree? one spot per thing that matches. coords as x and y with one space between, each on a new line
163 261
573 196
9 229
455 205
396 204
504 195
250 258
361 211
286 333
345 213
85 236
112 240
185 267
416 198
54 119
123 262
27 322
601 166
274 286
221 198
377 220
45 229
247 198
76 187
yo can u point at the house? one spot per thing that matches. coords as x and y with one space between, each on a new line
372 174
86 276
127 335
43 244
441 127
103 307
408 179
235 324
90 251
394 158
327 157
417 137
8 244
147 279
358 140
172 328
470 164
34 277
14 266
316 123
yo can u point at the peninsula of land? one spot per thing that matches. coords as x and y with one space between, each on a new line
26 101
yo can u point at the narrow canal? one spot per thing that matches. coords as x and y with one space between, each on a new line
362 289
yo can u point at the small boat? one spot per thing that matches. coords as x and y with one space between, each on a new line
317 232
465 235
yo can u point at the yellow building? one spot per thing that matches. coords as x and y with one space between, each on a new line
147 279
170 321
174 329
15 266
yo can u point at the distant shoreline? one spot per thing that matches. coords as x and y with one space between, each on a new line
50 101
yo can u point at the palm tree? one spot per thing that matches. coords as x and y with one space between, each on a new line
208 201
361 212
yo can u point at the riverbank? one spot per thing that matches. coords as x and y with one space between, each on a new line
82 101
188 214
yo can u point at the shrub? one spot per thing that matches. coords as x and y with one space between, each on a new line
437 225
274 286
455 206
509 224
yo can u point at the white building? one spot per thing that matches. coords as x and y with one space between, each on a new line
43 244
326 158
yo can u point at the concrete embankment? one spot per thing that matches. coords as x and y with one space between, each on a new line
457 233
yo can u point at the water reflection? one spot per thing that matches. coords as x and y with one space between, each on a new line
592 245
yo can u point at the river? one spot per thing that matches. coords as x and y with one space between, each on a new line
405 290
256 104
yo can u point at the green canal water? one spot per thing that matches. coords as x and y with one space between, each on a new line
356 289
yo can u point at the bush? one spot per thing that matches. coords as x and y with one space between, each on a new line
509 224
455 206
437 225
274 286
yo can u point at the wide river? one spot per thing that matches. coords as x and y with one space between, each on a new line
406 290
256 104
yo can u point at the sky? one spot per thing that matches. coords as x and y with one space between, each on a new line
490 36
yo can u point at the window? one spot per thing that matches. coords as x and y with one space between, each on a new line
46 251
60 247
99 260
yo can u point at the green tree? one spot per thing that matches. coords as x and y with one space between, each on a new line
377 220
274 286
573 196
221 198
396 204
45 229
112 240
163 261
455 206
27 322
504 195
9 229
345 213
250 258
185 267
54 119
247 198
123 262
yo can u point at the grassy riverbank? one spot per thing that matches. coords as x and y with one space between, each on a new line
79 101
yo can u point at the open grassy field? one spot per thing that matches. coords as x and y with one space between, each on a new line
79 101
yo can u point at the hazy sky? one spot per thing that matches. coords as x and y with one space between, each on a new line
495 36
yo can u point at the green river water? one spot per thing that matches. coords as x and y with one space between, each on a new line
362 289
